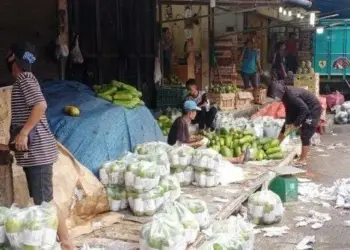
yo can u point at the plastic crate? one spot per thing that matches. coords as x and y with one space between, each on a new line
286 187
170 97
226 102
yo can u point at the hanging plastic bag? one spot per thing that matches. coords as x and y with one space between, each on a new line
76 55
164 232
187 219
199 209
265 208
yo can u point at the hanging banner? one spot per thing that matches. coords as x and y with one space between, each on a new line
212 3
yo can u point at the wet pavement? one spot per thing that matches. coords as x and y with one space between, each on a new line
328 162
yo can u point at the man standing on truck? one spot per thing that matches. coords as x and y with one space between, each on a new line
34 145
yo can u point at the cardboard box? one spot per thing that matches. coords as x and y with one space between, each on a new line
308 81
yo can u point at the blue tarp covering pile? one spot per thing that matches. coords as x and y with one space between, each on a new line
102 131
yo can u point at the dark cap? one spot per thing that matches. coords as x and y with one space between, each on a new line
24 54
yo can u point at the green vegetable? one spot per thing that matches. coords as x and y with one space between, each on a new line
274 143
276 156
110 90
122 96
129 88
264 141
238 151
108 98
226 152
273 150
223 131
116 84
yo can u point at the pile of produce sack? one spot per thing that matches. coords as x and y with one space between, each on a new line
342 113
206 163
306 68
187 219
180 162
120 94
233 143
164 232
199 209
233 233
265 208
30 228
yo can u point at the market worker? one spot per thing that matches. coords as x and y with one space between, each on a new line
303 111
205 114
278 62
34 145
292 51
179 132
250 64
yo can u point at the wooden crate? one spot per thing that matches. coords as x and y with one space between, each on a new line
244 100
308 81
6 179
259 95
226 102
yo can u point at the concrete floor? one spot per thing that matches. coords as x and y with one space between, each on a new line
323 170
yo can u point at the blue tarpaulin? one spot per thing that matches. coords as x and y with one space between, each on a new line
103 131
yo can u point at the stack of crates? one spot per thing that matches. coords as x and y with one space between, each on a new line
170 97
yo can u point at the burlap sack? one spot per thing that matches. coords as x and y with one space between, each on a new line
77 192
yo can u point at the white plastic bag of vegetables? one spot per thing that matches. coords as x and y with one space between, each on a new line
14 225
236 226
171 186
50 225
265 208
160 157
223 242
180 157
151 147
113 173
142 176
146 204
164 232
187 219
117 198
199 209
185 175
207 178
3 214
206 159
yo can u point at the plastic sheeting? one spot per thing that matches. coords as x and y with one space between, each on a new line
103 131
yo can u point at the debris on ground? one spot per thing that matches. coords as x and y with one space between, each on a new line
305 243
272 231
316 219
347 223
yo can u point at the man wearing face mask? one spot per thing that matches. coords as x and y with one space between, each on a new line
303 112
31 140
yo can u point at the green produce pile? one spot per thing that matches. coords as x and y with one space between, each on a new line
234 142
120 94
165 123
221 89
174 80
306 68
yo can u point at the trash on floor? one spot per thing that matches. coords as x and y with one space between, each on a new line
306 242
273 231
316 219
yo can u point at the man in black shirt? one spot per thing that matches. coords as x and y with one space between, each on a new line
179 131
303 111
206 114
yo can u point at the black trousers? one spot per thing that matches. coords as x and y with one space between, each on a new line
292 63
205 119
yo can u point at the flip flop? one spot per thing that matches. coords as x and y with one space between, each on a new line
300 163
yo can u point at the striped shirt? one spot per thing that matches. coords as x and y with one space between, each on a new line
43 149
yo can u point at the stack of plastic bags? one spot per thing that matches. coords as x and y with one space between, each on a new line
180 162
265 208
206 163
30 228
233 233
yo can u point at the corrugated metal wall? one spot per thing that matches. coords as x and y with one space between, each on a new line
118 41
33 21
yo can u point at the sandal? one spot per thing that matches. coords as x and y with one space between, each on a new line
300 163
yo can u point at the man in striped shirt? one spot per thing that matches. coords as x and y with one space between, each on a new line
34 145
205 117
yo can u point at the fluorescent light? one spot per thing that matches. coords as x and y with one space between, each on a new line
285 12
312 19
298 15
290 13
280 10
319 30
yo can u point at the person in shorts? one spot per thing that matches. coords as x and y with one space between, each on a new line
33 143
250 65
303 113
